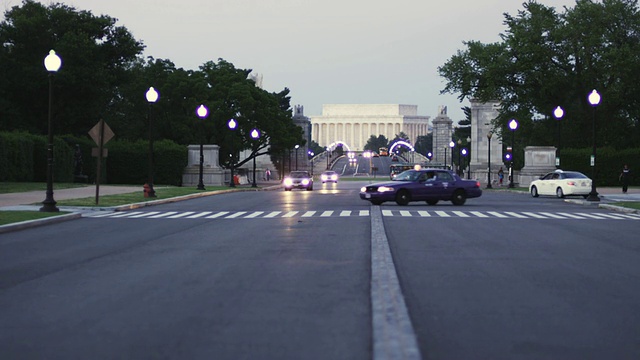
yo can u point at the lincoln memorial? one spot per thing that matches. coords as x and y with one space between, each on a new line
354 124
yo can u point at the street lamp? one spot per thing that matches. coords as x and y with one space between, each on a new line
459 151
464 156
513 125
202 112
451 145
297 146
558 113
594 100
232 126
311 154
52 63
489 135
255 135
327 149
152 96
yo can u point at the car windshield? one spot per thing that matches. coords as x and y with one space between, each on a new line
299 174
409 175
574 175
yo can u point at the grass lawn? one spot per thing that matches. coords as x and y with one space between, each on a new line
137 197
10 217
628 204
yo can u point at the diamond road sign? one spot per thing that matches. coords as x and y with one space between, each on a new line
95 133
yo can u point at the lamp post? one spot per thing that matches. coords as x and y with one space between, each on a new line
152 96
255 135
202 112
558 113
594 100
327 149
311 154
459 153
232 126
464 156
297 146
451 145
429 156
489 135
52 63
513 125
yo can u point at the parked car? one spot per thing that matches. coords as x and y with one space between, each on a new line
430 185
329 176
561 183
298 180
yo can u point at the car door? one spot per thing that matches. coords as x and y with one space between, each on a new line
442 186
546 186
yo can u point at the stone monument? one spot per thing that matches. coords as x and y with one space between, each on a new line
538 160
212 173
442 131
482 114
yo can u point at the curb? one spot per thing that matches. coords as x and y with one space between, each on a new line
38 222
76 213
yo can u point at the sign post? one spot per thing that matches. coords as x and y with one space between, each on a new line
101 133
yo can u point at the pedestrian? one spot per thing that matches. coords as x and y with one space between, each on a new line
624 178
267 174
500 176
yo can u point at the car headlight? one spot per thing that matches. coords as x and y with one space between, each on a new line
288 182
305 182
324 177
334 177
363 189
385 189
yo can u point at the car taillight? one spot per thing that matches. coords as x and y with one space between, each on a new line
477 184
571 183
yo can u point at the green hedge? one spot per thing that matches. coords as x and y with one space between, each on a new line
23 157
609 163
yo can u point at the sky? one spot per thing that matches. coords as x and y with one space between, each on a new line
324 51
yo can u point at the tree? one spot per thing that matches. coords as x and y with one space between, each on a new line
424 144
376 142
548 59
96 56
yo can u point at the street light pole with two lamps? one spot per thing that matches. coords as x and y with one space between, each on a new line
52 63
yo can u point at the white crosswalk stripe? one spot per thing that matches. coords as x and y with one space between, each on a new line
452 214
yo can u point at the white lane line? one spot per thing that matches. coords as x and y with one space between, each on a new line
387 213
162 215
424 213
573 216
204 213
290 214
144 214
405 213
442 214
393 334
254 214
126 214
516 215
551 215
326 213
272 214
612 216
479 214
345 213
537 216
497 214
592 216
235 215
308 214
364 212
218 214
461 214
181 215
629 216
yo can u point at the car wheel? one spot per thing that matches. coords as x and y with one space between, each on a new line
403 197
459 197
432 202
376 202
310 188
559 193
287 189
534 191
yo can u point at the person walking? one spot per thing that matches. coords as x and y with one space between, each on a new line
500 176
624 178
267 174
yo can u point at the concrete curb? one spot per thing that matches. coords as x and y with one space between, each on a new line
39 222
77 212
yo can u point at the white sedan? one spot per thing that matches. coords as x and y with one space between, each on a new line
561 183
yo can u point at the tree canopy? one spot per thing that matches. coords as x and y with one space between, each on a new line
547 59
104 76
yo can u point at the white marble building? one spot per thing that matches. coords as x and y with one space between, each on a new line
354 124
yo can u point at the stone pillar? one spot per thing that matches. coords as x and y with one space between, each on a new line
482 115
442 131
212 173
538 160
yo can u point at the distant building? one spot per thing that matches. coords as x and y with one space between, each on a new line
353 124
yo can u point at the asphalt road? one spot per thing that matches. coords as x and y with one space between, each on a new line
287 275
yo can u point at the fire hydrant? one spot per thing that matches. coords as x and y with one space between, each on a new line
146 189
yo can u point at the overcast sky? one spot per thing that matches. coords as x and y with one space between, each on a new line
324 51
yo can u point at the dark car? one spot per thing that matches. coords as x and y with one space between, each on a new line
298 180
430 185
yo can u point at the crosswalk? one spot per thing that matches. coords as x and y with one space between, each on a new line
442 214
